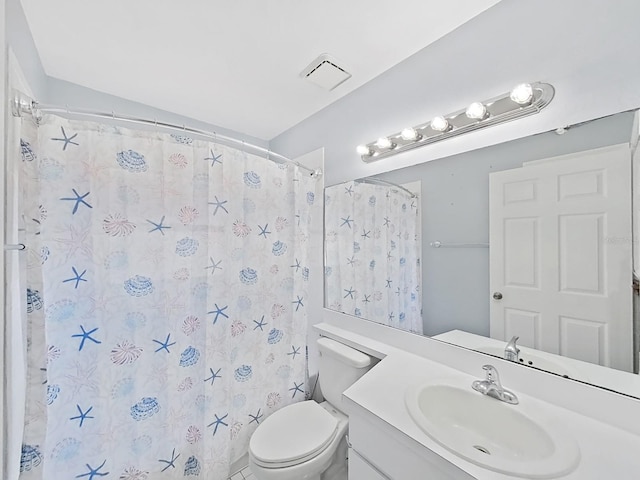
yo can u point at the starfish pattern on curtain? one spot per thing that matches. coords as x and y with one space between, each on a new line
372 265
165 320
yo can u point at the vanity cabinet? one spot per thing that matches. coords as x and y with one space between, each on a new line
381 452
360 469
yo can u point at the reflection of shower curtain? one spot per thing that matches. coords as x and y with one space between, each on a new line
166 288
373 254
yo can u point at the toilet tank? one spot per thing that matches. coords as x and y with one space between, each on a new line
339 368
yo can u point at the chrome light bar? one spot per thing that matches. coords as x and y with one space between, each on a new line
524 100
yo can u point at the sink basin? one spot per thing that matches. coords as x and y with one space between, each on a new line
539 361
491 433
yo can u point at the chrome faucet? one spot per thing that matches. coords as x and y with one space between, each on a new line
492 387
511 351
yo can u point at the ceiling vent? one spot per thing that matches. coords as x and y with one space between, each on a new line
325 72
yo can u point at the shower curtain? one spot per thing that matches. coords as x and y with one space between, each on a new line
372 265
166 289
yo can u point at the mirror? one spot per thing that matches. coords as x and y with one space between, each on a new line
379 279
410 248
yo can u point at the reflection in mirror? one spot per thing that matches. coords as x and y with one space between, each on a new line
372 253
558 271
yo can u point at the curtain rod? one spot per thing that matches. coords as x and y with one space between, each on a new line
377 181
23 104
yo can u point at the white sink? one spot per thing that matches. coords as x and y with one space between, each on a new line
491 433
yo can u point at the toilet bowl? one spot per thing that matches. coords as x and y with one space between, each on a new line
307 440
299 442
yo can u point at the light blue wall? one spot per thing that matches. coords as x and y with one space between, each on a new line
456 186
455 209
19 39
586 49
60 92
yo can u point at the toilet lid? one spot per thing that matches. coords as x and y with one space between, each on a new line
294 432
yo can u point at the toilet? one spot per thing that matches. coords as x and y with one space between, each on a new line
307 440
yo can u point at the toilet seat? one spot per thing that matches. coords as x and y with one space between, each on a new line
293 435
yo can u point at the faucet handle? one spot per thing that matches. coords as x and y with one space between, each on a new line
492 374
492 386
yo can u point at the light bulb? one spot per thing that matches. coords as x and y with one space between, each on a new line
440 124
363 150
409 134
522 94
476 111
383 142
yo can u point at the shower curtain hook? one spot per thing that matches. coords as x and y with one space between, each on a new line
36 113
113 115
184 129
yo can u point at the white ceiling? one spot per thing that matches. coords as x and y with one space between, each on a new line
233 63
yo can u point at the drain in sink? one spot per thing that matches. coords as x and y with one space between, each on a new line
482 449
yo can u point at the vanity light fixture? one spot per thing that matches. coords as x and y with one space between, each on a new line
409 134
384 143
364 150
525 99
522 94
440 124
476 111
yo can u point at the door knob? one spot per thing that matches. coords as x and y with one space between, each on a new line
497 296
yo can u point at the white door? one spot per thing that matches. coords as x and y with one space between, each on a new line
560 254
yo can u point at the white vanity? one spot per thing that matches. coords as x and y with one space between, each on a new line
561 429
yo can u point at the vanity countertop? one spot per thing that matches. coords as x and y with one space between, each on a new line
606 451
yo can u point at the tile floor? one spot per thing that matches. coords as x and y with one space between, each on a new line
244 474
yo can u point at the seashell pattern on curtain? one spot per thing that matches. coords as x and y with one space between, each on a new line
166 287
